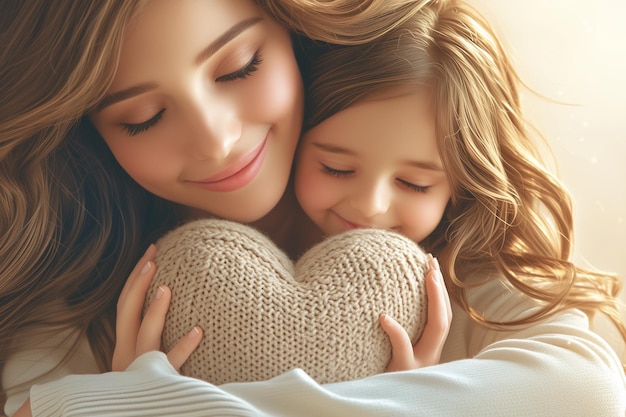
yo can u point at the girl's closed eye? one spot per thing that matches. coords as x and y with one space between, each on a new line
336 172
413 187
136 128
245 71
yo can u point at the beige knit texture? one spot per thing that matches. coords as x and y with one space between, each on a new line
262 315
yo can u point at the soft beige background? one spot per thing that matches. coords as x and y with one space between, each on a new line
574 51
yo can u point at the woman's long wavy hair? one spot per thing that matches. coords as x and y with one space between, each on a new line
72 223
343 22
507 212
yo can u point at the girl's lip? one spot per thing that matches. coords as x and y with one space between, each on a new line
239 174
349 225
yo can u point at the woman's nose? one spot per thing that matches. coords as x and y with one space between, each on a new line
371 198
215 132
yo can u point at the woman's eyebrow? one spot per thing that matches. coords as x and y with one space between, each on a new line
226 37
124 94
205 54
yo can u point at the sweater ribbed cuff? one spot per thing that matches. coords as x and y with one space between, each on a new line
150 386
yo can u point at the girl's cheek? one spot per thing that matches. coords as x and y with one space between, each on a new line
309 185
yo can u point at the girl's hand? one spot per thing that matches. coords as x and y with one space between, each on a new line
136 336
427 351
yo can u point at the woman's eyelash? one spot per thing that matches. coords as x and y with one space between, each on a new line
136 128
335 172
413 187
244 72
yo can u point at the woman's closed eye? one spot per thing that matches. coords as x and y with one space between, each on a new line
244 72
136 128
336 172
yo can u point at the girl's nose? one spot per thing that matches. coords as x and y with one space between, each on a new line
371 198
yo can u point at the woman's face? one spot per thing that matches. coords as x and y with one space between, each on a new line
206 106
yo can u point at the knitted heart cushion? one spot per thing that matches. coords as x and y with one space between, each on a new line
262 315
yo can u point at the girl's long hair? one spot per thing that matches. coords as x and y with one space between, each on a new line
508 213
72 224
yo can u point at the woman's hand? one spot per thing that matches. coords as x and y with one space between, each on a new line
427 351
135 335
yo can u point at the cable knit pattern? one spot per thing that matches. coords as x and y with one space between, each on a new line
262 315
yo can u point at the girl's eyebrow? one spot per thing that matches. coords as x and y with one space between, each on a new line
205 54
431 166
333 148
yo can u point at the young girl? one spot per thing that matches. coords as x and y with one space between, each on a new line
518 344
194 118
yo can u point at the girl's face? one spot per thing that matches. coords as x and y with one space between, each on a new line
206 106
375 164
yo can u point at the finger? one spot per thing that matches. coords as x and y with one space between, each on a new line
446 298
434 264
137 272
129 309
401 347
151 329
132 299
139 337
185 347
439 316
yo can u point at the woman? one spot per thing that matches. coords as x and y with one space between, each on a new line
73 219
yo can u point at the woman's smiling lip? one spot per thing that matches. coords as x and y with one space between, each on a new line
239 174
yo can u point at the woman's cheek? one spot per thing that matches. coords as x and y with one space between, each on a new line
148 163
277 94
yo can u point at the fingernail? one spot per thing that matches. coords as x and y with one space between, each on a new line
435 263
146 267
195 332
160 292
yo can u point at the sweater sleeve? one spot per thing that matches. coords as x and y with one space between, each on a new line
557 367
43 361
